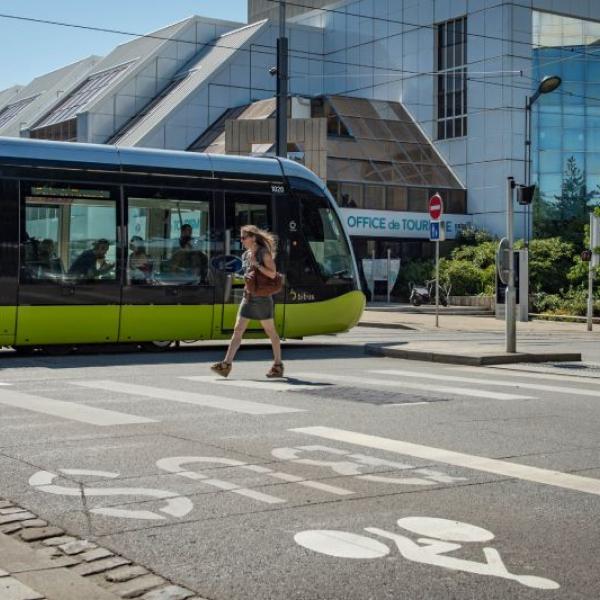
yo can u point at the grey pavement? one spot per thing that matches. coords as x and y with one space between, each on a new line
355 477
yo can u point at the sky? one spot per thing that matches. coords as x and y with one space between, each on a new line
32 49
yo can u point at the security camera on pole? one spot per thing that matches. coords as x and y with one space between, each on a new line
437 233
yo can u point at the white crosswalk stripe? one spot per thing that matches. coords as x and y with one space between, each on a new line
425 387
196 399
249 384
458 459
574 391
514 371
68 410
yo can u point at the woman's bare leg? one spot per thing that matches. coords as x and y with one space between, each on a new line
271 331
236 339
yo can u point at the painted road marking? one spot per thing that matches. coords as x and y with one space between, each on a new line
69 410
175 465
169 395
275 386
437 540
315 485
456 391
514 371
458 459
175 504
491 382
353 465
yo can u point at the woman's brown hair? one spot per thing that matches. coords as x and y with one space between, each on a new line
263 238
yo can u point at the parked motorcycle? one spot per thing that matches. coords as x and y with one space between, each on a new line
425 294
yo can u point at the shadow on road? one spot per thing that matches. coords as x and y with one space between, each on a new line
186 354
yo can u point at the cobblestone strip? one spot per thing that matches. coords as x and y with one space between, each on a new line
114 573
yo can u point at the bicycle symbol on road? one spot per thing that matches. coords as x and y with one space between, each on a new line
439 538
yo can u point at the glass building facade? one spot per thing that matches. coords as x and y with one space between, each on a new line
566 123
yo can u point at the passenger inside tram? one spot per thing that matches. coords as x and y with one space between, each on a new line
92 263
49 265
41 261
188 259
139 263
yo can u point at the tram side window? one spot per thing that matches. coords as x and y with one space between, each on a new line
323 232
70 234
169 242
246 212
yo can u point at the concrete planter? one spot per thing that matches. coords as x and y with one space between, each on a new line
481 301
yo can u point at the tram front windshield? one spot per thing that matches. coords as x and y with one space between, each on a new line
325 236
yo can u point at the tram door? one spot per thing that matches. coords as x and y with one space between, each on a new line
242 209
168 292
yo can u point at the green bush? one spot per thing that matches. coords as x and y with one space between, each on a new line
415 271
572 302
549 262
482 255
463 277
578 273
473 236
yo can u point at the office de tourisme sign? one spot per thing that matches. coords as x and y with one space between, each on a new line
384 223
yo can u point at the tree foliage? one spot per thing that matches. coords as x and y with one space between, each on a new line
567 214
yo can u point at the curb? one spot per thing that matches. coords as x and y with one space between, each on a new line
472 360
38 559
380 325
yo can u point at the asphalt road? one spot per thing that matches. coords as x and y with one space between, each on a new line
354 478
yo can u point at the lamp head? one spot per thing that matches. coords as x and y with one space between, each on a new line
549 84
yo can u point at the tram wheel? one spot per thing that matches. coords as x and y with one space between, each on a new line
57 349
24 350
156 346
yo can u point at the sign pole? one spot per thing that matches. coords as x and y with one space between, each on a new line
510 308
436 233
373 276
437 283
389 261
590 302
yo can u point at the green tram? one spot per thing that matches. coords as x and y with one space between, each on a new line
100 244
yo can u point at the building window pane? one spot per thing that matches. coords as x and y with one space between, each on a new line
417 200
351 195
452 81
396 198
375 197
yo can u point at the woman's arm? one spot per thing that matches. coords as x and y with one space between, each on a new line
268 268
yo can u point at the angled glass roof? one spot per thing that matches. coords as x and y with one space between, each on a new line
77 100
378 141
12 110
367 141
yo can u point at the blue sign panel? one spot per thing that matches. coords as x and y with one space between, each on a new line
227 263
434 231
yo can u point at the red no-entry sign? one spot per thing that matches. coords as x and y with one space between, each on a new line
436 207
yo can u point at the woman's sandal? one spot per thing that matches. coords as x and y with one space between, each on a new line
275 371
221 368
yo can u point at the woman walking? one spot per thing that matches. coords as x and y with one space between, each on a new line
258 259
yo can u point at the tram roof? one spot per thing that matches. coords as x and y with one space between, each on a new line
18 151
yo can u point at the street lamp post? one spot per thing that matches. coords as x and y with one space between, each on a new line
282 85
546 86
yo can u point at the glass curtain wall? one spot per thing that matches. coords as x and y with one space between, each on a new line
566 123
